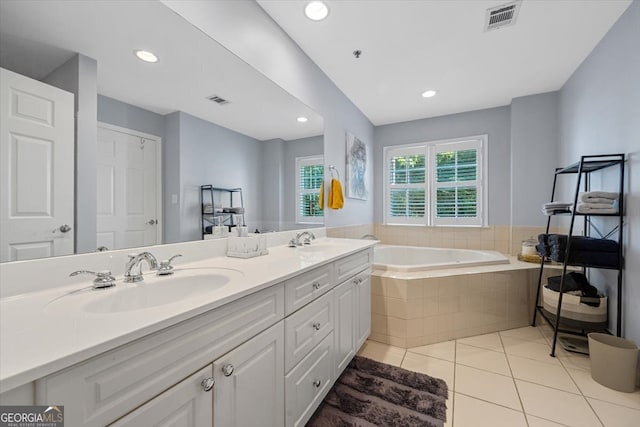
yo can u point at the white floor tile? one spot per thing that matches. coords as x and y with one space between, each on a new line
437 368
488 341
615 416
442 350
450 399
481 358
542 373
555 405
382 353
487 386
470 412
528 333
576 361
590 388
539 422
529 349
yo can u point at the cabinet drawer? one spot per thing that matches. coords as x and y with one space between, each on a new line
102 389
302 289
308 383
353 264
305 328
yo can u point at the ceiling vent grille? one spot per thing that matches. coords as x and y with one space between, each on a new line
218 99
502 16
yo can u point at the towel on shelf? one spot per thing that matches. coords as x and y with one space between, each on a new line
336 200
207 208
596 205
595 196
586 209
321 195
553 208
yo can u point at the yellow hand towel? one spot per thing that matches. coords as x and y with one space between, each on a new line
321 197
336 201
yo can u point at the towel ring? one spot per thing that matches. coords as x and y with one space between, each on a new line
333 169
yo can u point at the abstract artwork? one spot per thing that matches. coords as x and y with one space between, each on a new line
356 182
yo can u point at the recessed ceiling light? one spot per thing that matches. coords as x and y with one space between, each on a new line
146 56
429 93
316 10
302 119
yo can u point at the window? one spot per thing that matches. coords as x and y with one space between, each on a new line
309 176
436 183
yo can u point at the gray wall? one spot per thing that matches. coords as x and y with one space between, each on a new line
493 121
534 141
599 110
79 75
171 179
129 116
248 31
211 154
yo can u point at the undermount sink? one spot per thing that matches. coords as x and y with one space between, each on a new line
154 291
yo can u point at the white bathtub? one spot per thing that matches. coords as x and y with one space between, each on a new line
416 258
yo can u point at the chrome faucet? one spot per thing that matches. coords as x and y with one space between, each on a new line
134 261
308 237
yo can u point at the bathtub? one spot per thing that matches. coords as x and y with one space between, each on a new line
416 258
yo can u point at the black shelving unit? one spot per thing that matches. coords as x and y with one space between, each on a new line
208 196
583 170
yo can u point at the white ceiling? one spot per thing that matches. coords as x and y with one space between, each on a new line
38 36
410 46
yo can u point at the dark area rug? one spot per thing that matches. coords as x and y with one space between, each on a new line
370 393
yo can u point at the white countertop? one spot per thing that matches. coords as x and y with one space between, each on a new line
45 331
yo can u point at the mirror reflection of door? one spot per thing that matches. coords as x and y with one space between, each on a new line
128 188
37 167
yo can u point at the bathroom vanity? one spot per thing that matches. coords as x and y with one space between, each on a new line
263 348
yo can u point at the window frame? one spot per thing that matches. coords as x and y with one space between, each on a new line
303 161
430 149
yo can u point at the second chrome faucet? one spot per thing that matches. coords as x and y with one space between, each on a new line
134 261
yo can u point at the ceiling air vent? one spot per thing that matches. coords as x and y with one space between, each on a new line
502 16
217 99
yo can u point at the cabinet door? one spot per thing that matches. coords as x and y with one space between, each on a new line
346 323
185 404
249 382
364 309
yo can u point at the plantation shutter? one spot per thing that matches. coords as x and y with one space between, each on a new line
406 189
309 176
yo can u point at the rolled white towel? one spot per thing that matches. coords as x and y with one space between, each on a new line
597 196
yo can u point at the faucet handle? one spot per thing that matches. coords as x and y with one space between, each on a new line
104 279
165 267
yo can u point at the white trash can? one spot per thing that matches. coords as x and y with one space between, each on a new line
613 361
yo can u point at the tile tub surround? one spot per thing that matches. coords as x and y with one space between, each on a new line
412 309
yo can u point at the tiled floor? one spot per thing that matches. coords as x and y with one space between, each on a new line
508 379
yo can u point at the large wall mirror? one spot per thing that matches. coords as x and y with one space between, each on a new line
102 150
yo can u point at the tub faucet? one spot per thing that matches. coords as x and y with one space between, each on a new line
134 261
308 237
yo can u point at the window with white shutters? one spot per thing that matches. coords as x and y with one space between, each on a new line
437 183
309 176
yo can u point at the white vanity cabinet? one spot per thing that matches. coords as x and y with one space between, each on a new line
266 359
186 404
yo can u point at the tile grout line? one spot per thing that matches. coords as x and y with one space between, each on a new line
453 394
526 419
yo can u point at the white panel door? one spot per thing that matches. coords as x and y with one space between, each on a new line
37 169
249 382
186 404
127 190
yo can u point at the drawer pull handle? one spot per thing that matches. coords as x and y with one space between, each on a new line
317 383
316 326
316 285
227 369
207 384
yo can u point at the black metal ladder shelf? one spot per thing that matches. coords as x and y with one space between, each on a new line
583 169
207 197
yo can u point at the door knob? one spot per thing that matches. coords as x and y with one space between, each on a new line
207 384
64 228
152 222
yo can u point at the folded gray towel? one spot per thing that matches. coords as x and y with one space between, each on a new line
598 205
589 210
